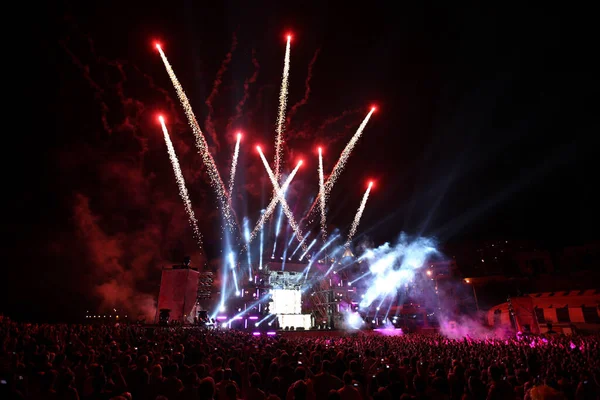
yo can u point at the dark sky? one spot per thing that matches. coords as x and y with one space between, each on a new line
482 131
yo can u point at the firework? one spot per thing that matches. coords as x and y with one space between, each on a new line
322 197
341 162
234 162
359 213
281 114
209 162
271 207
181 183
280 195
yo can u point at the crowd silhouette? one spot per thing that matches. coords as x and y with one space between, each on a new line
129 362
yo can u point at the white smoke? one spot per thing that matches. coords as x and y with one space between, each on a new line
353 320
394 266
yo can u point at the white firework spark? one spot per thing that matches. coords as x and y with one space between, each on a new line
280 195
272 205
283 94
234 162
181 183
322 196
358 215
339 165
209 162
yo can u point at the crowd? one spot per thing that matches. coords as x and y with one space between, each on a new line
101 362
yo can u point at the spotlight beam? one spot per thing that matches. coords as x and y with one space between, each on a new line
300 244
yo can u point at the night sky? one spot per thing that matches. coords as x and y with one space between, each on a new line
482 131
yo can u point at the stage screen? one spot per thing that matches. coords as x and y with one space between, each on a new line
286 301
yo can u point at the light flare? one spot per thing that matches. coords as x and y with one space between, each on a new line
213 173
183 193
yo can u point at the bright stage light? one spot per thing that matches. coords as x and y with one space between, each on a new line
286 301
161 119
157 45
239 136
354 320
373 108
258 148
429 273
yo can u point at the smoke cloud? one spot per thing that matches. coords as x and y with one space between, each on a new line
392 266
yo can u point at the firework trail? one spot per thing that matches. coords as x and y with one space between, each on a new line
181 183
322 197
304 100
341 162
281 114
234 162
271 207
280 195
209 162
210 126
359 213
240 105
